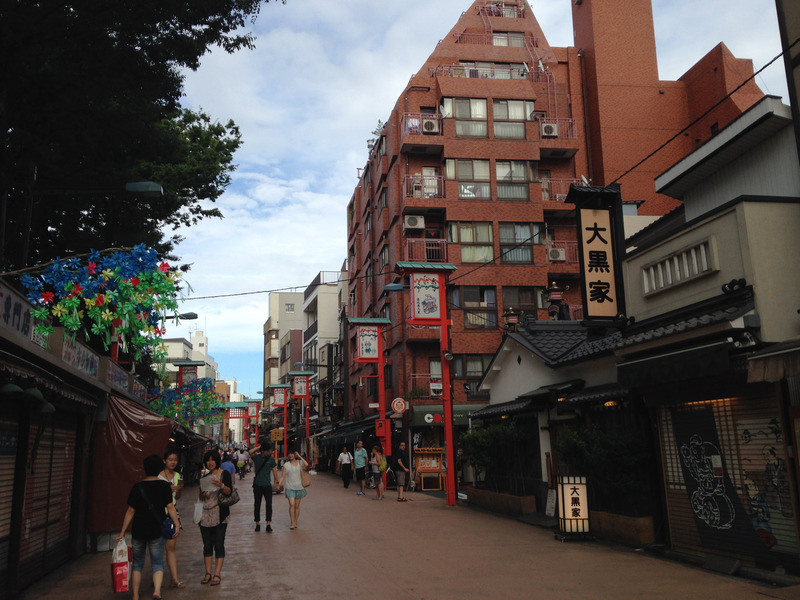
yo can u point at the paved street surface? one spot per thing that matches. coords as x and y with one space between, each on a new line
355 548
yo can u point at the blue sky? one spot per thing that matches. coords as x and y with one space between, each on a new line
323 73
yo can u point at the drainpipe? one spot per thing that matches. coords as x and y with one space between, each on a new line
586 118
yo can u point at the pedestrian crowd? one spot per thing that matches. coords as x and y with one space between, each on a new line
155 524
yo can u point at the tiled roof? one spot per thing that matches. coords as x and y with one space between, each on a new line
719 310
562 342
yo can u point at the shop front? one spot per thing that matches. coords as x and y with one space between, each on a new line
725 451
426 431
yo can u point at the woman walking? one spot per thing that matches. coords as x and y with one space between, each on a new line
214 523
147 501
292 482
377 474
173 478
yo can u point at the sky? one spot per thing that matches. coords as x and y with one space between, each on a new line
307 98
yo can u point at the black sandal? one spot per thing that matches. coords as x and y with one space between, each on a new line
206 579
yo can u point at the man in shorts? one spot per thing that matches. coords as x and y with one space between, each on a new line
400 470
360 457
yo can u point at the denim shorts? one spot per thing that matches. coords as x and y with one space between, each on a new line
295 493
139 550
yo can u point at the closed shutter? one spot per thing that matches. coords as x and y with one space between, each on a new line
48 498
726 480
9 430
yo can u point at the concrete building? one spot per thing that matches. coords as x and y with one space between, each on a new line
473 166
181 350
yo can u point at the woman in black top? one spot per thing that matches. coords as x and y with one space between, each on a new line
147 502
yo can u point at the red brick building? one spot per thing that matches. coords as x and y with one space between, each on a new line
473 165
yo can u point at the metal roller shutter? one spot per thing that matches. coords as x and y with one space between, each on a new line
9 430
48 498
726 480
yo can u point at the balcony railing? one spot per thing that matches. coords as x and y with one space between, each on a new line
310 332
422 124
419 385
555 190
563 129
562 252
490 72
487 39
426 250
424 186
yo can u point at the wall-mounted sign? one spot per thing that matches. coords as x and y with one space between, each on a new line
573 505
399 405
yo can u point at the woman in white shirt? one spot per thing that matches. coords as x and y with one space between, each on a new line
292 483
345 466
174 479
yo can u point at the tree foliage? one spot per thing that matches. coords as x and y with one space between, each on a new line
89 100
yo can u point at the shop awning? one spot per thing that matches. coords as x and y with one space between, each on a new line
679 365
549 394
503 408
432 415
598 394
777 362
353 432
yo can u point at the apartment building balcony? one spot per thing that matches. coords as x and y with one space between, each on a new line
558 138
519 71
562 252
556 190
423 186
419 386
310 332
492 39
422 133
426 250
419 333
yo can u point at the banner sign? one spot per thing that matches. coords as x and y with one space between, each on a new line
367 343
278 397
426 296
300 386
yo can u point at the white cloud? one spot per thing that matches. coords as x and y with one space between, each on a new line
307 99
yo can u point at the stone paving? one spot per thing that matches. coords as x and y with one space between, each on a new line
354 548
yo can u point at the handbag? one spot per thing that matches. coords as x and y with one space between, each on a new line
305 477
198 512
168 528
230 500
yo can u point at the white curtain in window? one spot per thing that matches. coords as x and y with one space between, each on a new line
512 191
513 131
471 129
477 254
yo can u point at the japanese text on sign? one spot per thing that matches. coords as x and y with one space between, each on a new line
598 260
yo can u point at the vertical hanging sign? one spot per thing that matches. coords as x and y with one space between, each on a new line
300 386
601 246
367 343
426 297
278 397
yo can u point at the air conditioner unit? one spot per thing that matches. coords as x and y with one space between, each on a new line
548 129
430 124
436 389
413 222
557 254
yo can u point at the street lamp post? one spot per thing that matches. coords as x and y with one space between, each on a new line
428 288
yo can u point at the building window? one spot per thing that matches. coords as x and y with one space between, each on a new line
473 178
513 178
386 311
528 298
384 260
289 308
470 365
489 70
476 239
516 242
508 38
382 199
510 117
479 304
677 269
470 114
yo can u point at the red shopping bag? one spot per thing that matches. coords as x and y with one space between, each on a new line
121 567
